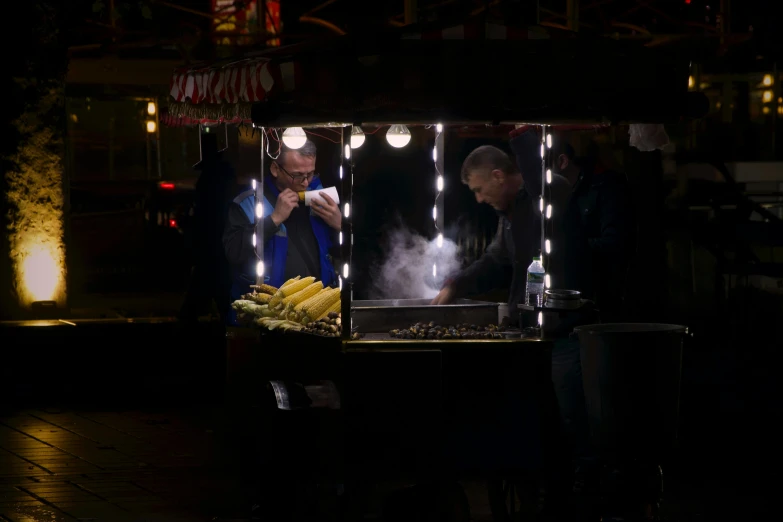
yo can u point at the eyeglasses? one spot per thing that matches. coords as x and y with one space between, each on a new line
298 178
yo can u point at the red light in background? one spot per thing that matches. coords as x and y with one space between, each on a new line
688 2
173 223
167 186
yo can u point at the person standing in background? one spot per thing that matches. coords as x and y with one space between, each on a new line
210 280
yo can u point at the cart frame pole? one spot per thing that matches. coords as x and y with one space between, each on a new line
259 195
346 234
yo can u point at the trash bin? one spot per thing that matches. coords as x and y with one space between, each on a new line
631 378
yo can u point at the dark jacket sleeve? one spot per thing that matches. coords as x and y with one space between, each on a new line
527 152
238 235
616 220
491 271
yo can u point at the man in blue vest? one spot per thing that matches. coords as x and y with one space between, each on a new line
297 238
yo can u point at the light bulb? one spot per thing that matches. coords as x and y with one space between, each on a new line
398 136
540 318
767 96
341 238
434 153
547 246
340 282
547 281
541 204
260 269
151 108
345 270
440 240
767 81
294 137
435 212
259 210
434 270
549 141
151 126
439 183
347 210
439 127
548 176
548 211
253 184
347 152
543 151
341 172
357 137
254 239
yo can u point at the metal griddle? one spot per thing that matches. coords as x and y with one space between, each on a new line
386 314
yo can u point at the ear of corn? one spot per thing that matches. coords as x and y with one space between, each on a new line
291 281
264 289
260 298
289 289
336 307
315 310
307 302
302 295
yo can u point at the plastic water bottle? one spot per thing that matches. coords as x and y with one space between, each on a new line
534 292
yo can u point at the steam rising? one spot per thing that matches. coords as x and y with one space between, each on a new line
406 272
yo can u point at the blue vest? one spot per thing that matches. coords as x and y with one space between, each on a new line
276 247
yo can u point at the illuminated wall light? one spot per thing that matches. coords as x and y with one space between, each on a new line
434 153
253 184
398 136
547 281
767 81
151 126
345 270
254 239
547 246
549 211
259 210
41 271
439 183
294 137
341 172
347 210
549 141
767 96
357 137
435 213
260 269
341 238
440 240
151 108
548 176
439 127
434 270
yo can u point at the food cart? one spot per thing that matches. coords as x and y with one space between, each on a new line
425 393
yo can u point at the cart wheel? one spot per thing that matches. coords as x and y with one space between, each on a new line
514 500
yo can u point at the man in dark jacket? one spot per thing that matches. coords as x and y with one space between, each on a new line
496 181
596 225
297 238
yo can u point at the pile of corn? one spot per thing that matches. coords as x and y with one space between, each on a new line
298 302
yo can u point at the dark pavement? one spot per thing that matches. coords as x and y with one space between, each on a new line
125 421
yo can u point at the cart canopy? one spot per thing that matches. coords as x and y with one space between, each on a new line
471 73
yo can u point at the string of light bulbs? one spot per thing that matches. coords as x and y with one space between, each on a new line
545 208
438 207
258 230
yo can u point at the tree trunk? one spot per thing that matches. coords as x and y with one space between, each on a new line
33 267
